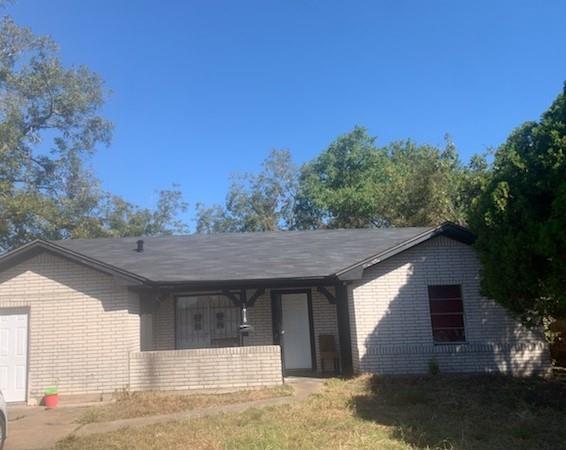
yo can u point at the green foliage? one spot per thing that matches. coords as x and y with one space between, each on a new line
49 126
340 188
352 184
255 202
27 216
520 219
119 218
49 121
356 184
48 113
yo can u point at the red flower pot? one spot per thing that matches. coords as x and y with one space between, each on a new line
51 400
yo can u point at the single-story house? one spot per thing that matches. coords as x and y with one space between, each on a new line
92 316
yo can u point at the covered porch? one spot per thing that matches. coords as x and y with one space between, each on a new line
306 325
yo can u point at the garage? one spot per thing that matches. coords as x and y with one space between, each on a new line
13 354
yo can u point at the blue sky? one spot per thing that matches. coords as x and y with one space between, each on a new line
202 89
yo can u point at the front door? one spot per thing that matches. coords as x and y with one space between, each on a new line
296 331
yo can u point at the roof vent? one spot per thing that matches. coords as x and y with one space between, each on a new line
139 249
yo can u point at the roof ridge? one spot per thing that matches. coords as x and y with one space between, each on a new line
239 233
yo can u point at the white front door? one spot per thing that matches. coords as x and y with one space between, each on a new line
13 356
296 328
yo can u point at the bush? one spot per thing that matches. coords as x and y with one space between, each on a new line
433 367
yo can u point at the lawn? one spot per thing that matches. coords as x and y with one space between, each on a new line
479 412
138 404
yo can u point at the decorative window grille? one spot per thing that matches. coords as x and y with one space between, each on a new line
204 321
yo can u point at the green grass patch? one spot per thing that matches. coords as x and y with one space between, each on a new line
440 412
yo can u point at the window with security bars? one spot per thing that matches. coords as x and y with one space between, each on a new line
204 321
447 313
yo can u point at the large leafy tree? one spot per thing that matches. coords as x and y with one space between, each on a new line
255 202
355 183
49 121
339 188
50 124
520 219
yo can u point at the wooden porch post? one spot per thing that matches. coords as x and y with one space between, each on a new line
343 314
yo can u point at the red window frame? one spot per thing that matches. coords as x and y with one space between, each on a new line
447 313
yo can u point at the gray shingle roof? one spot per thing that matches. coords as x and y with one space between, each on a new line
243 256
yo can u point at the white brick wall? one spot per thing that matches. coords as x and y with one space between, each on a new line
215 368
391 326
82 324
324 321
259 316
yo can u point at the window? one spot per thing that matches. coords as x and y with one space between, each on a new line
447 313
197 322
219 320
203 321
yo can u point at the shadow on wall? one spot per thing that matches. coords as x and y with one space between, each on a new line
48 277
402 341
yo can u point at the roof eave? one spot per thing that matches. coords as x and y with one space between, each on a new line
38 245
247 283
448 229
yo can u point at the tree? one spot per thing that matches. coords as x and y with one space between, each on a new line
49 114
340 187
99 214
50 124
356 184
255 202
119 218
520 220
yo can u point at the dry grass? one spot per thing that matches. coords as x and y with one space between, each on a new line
481 412
138 404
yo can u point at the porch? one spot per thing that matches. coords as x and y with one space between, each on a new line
234 337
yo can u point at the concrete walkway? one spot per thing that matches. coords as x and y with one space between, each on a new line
34 427
303 387
38 428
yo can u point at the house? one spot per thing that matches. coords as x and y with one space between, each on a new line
244 309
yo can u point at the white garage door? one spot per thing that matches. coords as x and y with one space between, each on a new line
13 356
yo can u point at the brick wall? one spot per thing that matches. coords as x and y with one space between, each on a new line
211 368
82 324
259 316
391 326
324 322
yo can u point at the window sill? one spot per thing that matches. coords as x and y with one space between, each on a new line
451 343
